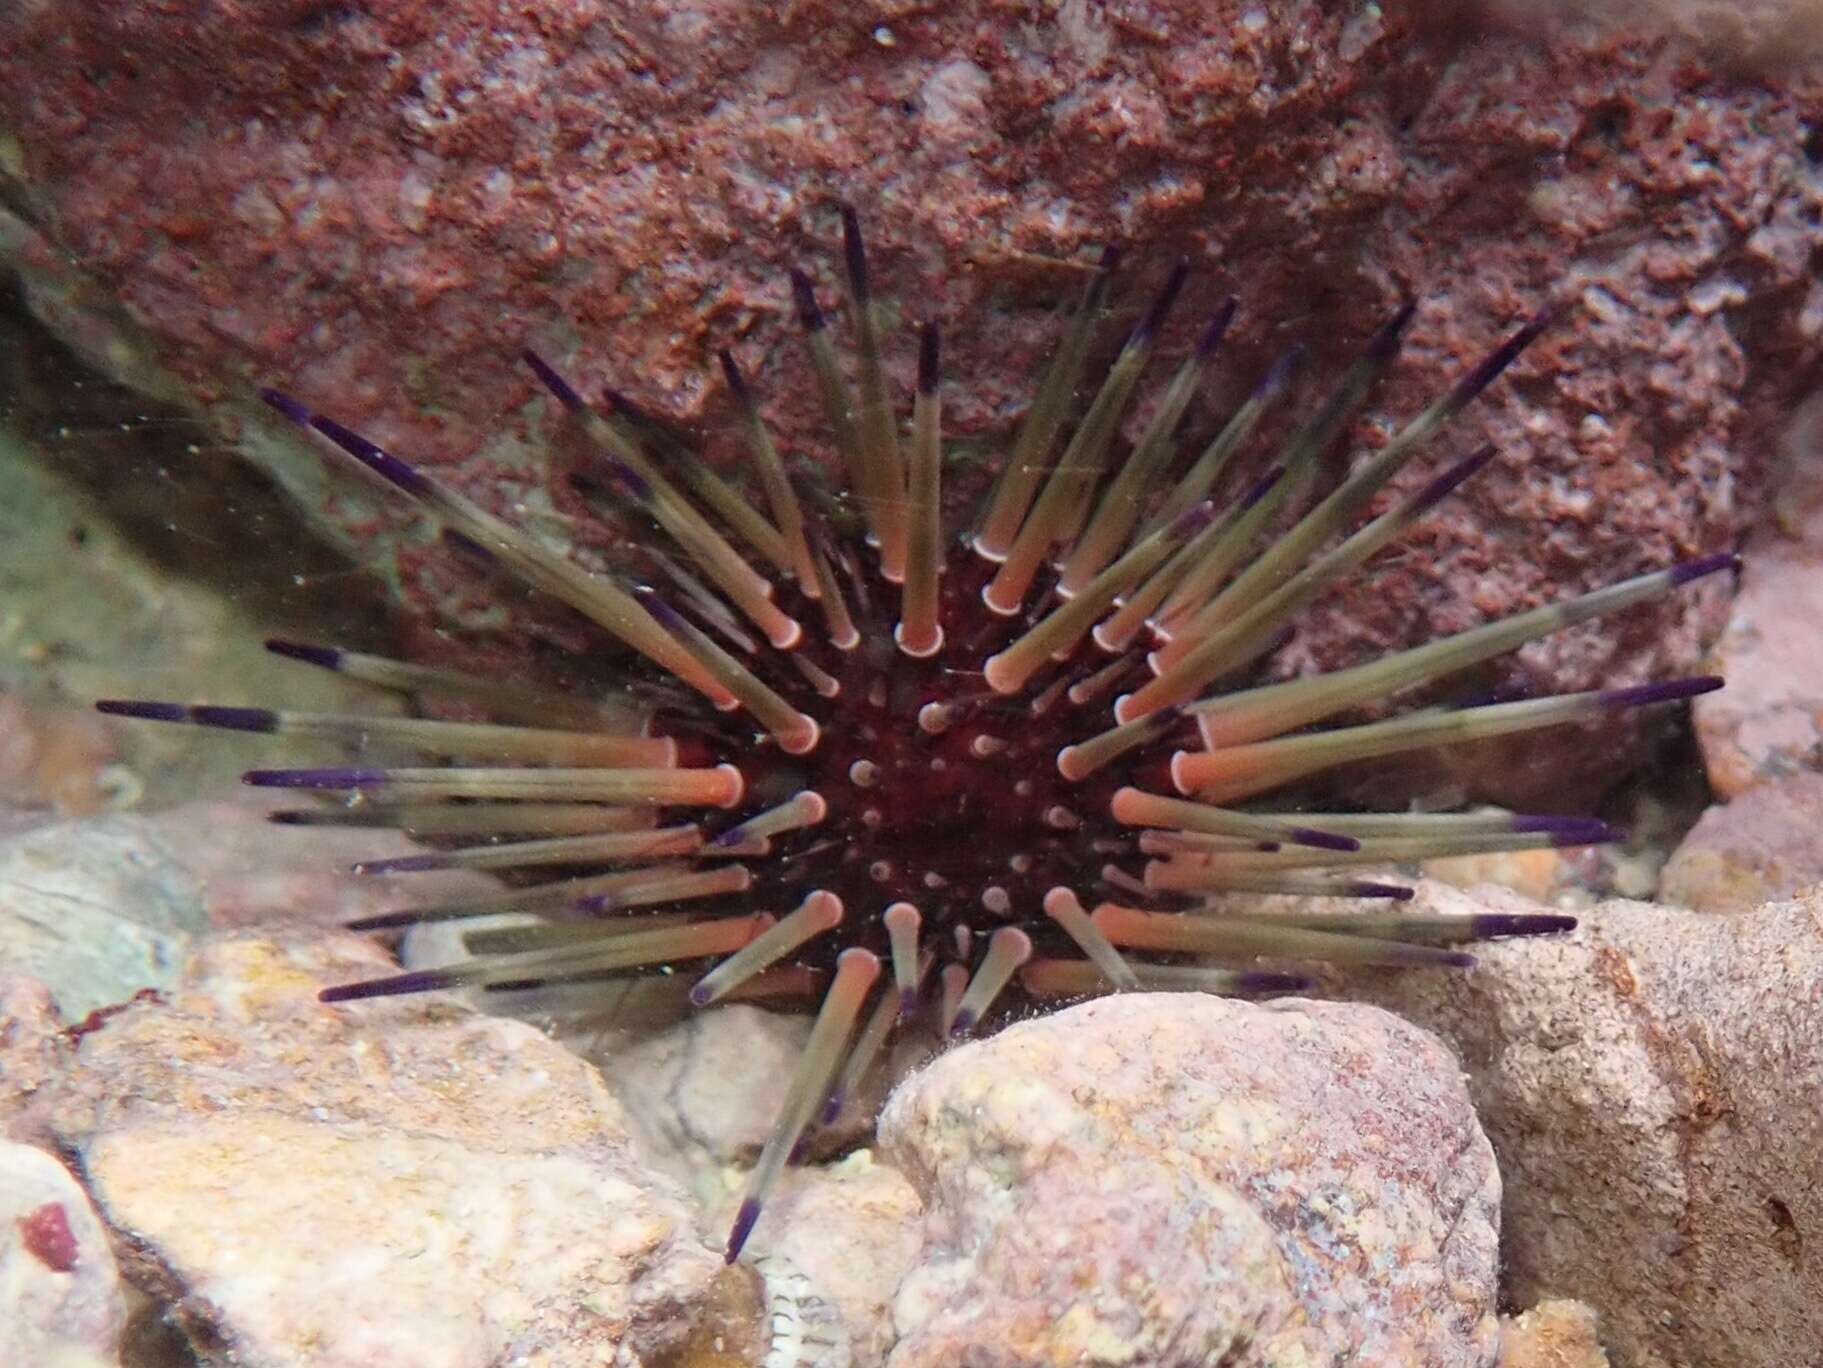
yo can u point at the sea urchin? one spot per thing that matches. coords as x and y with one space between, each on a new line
926 748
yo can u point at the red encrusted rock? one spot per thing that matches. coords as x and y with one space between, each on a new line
376 206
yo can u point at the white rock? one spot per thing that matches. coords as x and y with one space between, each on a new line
1181 1180
60 1296
1653 1085
390 1184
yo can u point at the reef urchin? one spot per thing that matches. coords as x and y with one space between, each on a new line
925 747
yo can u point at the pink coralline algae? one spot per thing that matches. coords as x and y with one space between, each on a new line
46 1235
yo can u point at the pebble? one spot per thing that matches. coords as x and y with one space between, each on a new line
1185 1180
1764 846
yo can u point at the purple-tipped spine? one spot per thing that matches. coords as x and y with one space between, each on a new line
1484 374
650 599
376 458
1526 823
554 382
1491 925
744 1221
1261 488
1321 840
235 719
1704 565
1446 484
287 407
929 359
1217 329
463 544
402 864
343 778
1394 892
144 709
325 657
734 835
854 252
737 383
420 981
1384 345
1278 374
1146 330
629 481
618 402
809 315
1599 833
1193 520
1664 691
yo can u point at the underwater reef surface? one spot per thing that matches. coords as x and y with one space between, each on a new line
375 207
1649 1085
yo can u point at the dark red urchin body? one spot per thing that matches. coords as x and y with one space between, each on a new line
958 738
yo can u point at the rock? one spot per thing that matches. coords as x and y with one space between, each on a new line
1542 875
625 196
730 1331
453 1189
60 760
1653 1085
251 873
704 1090
1743 35
1768 723
118 586
835 1244
97 909
102 908
1765 846
1176 1180
60 1297
33 1047
1553 1334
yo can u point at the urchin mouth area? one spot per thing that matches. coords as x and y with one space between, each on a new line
946 760
942 793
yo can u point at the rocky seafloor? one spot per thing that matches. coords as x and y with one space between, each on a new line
1601 1148
1600 1144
